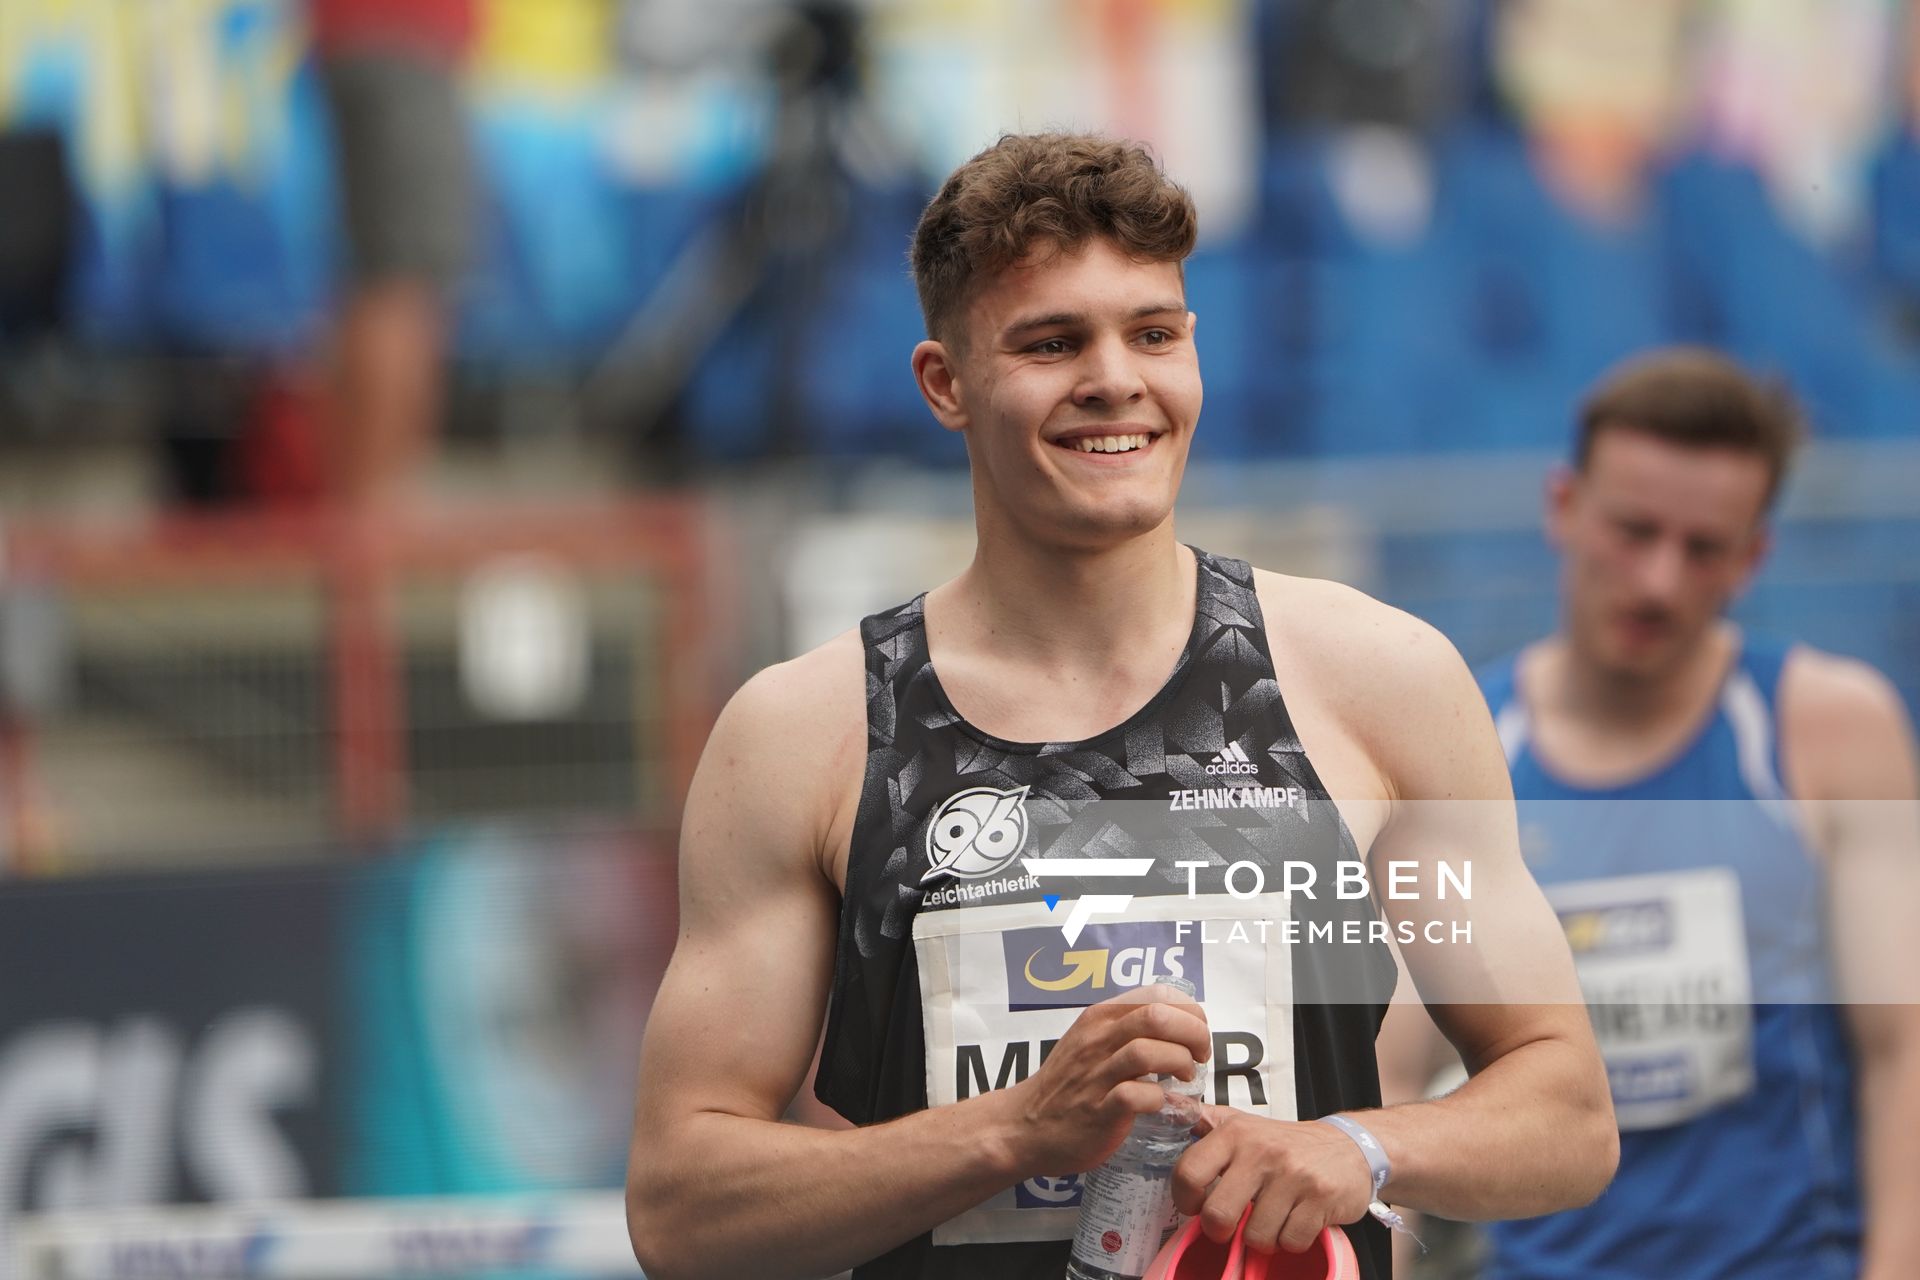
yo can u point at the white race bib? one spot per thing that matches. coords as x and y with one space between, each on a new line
1663 965
999 986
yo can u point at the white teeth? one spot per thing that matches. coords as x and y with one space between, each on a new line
1110 444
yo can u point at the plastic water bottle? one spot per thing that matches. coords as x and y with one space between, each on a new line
1126 1205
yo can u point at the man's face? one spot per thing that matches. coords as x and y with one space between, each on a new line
1077 388
1658 538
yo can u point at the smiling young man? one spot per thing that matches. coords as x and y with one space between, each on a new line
856 839
1725 823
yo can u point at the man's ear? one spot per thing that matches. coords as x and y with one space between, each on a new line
1562 482
1758 545
938 375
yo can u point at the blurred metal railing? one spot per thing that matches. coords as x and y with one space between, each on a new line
183 687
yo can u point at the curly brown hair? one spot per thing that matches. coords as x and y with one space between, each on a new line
1697 398
1034 190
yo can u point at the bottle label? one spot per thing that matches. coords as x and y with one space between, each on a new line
1124 1219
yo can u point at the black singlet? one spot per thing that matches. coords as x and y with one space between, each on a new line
1218 722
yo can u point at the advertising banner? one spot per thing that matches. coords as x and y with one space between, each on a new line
464 1018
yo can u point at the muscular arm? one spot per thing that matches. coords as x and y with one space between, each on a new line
1849 749
1532 1130
717 1185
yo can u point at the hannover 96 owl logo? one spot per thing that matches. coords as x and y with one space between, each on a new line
976 833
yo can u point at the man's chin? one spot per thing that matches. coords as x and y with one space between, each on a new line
1645 660
1109 525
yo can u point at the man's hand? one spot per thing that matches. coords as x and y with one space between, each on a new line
1299 1177
1076 1109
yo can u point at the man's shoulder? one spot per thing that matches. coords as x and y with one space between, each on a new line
816 700
1835 684
1396 685
818 688
1840 720
782 766
1346 633
1394 681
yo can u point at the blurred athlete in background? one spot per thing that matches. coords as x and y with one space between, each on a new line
1707 811
392 75
852 842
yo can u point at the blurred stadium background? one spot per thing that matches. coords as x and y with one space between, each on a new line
336 844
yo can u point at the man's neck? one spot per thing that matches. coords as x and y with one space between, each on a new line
1059 609
1571 683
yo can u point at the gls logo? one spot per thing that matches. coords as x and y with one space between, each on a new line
976 833
1234 761
1043 974
1625 927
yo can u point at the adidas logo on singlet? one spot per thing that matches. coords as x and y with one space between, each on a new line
1232 762
1239 787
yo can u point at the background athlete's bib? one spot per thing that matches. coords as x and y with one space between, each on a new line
1663 966
999 986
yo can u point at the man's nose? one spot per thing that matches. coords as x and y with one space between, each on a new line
1661 571
1109 374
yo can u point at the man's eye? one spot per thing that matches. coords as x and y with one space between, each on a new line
1703 550
1050 347
1157 337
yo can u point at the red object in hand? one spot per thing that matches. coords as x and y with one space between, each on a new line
1189 1255
1330 1258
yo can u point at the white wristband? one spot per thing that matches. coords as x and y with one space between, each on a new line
1376 1155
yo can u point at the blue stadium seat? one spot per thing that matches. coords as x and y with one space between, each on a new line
565 250
1543 299
1489 591
854 381
819 358
247 263
1895 188
727 418
1239 417
1753 287
1379 379
555 277
1338 326
1298 214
